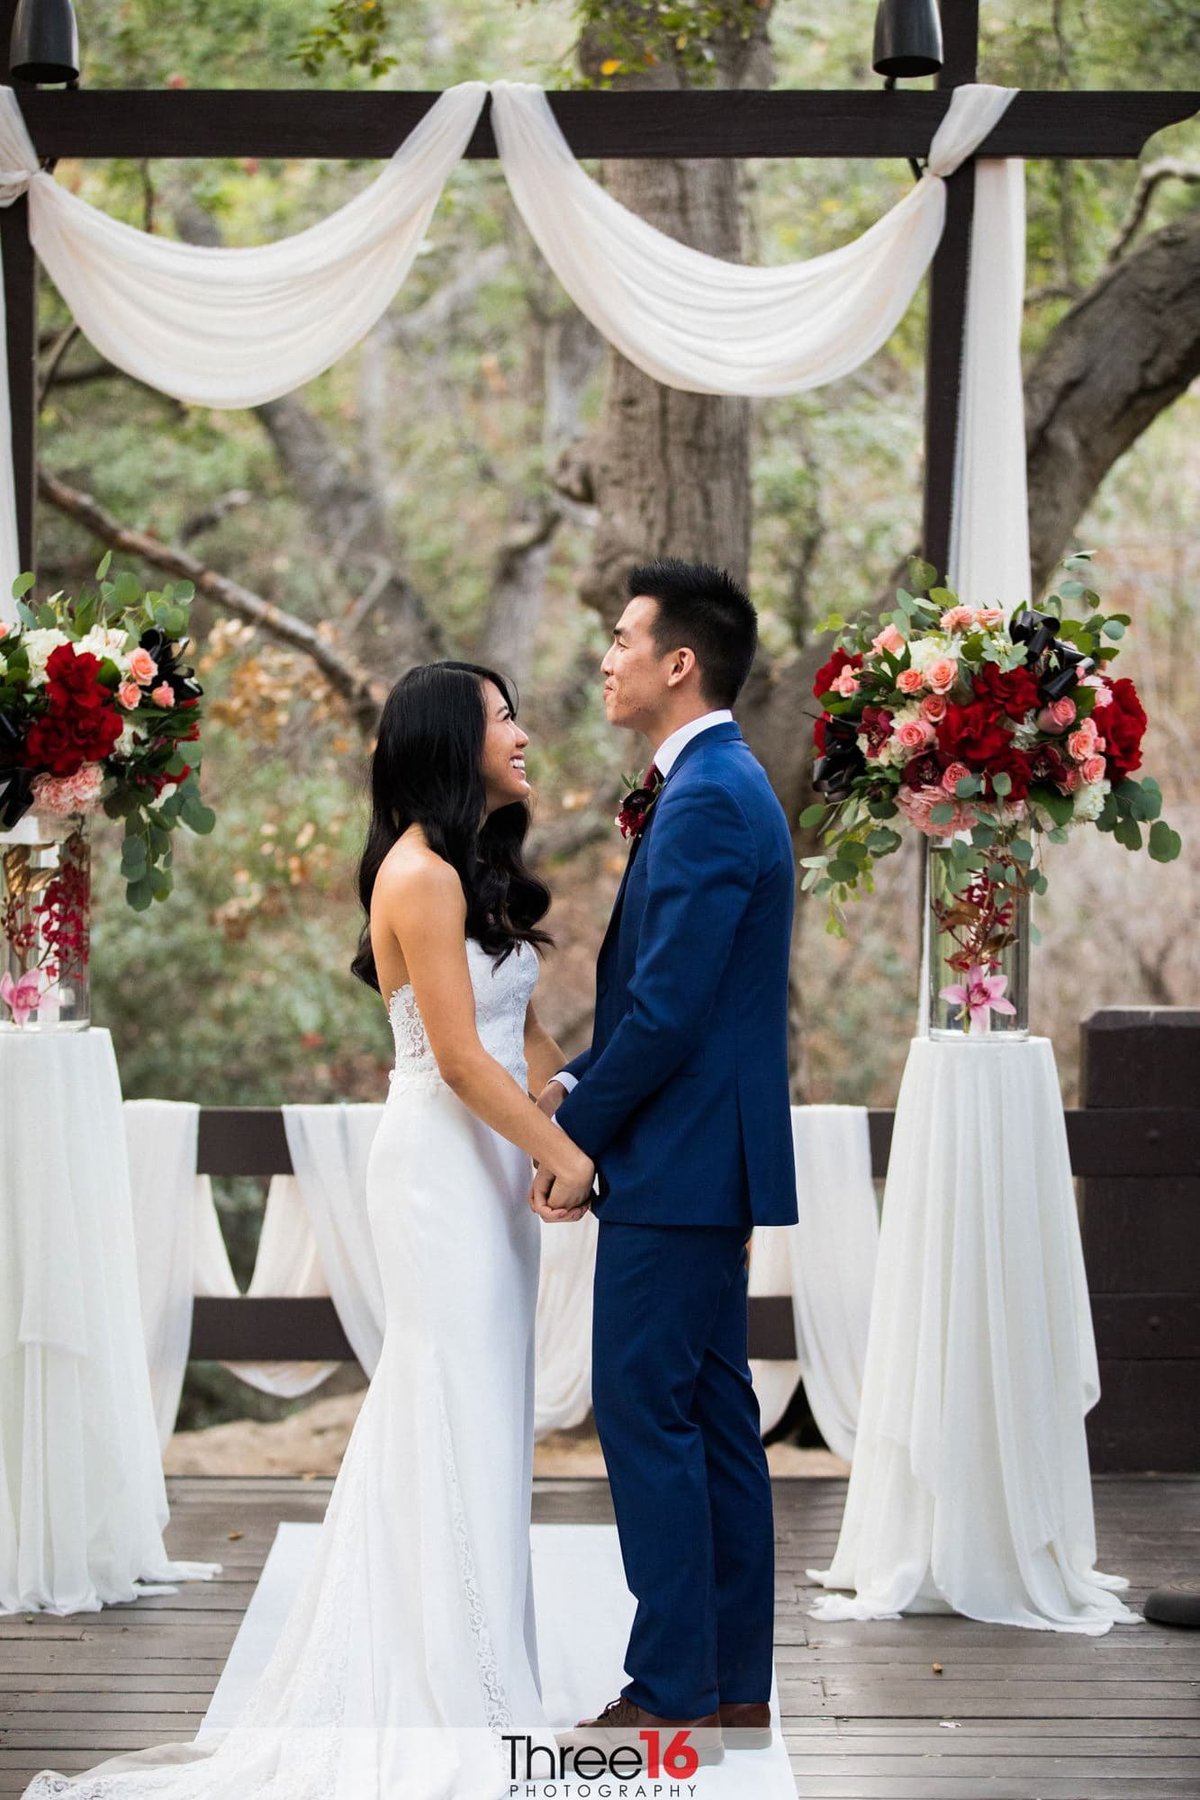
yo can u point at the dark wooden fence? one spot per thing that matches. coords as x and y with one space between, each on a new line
1135 1144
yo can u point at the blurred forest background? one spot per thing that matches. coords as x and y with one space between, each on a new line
477 475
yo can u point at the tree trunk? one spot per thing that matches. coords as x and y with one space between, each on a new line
670 471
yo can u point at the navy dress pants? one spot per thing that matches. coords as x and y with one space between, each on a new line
679 1425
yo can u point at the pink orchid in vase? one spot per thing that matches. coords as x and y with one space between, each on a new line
979 996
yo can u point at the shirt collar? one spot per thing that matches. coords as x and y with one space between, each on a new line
667 752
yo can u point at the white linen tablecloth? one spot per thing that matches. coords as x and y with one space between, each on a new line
82 1499
970 1489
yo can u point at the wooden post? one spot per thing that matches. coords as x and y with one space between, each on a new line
1141 1241
20 304
948 302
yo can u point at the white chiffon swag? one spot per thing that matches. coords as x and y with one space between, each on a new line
233 327
316 1240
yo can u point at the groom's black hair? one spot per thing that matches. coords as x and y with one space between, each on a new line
703 608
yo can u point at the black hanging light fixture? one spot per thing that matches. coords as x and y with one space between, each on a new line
908 38
44 45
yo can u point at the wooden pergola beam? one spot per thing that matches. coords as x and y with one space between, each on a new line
707 124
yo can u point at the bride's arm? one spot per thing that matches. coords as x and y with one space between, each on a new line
422 903
542 1054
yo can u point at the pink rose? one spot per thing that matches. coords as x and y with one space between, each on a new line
942 674
1082 743
958 618
953 775
988 615
163 694
142 666
1093 769
1072 780
914 734
910 681
933 708
846 683
889 639
917 805
1058 715
129 694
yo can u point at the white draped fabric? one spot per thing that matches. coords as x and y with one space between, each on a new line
233 327
970 1489
695 321
315 1220
826 1262
82 1499
238 326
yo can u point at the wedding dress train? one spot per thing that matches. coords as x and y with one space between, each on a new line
409 1649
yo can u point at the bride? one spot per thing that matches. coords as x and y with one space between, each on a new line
409 1651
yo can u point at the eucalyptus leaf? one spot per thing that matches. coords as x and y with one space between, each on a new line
1165 844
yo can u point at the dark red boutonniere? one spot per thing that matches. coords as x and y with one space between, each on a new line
638 803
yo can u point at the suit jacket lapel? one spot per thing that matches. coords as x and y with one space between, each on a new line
725 733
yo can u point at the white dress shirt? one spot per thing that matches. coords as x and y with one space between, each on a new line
665 758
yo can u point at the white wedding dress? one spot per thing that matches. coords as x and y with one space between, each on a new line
409 1649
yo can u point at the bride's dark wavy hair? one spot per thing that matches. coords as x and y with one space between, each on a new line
427 769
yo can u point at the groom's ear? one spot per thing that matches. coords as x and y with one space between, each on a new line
683 665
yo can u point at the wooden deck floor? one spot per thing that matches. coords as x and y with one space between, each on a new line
1015 1715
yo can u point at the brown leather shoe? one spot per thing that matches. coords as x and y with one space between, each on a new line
617 1727
745 1724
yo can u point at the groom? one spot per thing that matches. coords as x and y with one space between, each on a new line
682 1102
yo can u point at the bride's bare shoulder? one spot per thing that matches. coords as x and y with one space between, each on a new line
413 875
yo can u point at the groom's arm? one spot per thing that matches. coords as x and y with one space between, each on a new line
702 861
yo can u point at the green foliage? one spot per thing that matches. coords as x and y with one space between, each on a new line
352 30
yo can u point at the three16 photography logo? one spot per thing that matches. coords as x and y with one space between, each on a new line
659 1767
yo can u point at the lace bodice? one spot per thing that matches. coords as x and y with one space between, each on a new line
502 994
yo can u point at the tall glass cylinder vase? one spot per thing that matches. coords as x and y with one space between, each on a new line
978 947
45 923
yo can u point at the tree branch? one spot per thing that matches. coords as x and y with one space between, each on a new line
1151 178
362 693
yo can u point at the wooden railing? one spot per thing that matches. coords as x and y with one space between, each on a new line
1135 1145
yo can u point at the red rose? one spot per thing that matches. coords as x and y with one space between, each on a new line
819 726
61 741
1013 691
971 734
1121 722
828 674
71 678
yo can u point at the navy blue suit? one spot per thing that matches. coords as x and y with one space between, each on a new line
683 1104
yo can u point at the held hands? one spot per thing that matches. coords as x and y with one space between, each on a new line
559 1199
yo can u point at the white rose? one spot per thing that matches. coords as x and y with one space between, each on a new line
1089 802
39 645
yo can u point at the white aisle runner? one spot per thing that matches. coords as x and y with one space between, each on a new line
584 1610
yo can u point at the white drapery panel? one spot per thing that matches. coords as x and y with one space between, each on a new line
237 326
826 1263
234 327
316 1222
695 321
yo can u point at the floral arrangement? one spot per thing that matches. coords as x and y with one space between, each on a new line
95 704
987 732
